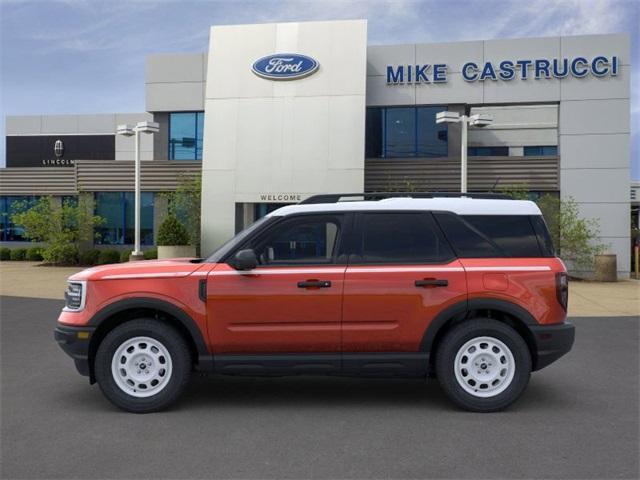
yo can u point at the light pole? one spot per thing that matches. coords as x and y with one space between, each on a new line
477 120
128 131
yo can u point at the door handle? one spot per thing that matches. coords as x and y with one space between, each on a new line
314 284
432 282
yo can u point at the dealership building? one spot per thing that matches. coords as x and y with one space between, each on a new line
274 113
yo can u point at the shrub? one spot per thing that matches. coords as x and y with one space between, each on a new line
60 254
90 257
108 256
124 256
151 254
61 227
18 254
34 254
172 232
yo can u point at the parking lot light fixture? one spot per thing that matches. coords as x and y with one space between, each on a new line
128 131
477 120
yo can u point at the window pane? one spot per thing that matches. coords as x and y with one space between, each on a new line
432 137
146 218
199 135
301 241
402 238
466 242
118 210
400 131
109 207
185 135
373 133
488 151
514 234
9 205
538 151
550 151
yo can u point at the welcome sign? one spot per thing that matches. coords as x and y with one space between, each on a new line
507 70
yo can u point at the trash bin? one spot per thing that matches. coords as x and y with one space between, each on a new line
606 268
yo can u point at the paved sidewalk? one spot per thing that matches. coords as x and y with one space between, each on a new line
586 299
29 279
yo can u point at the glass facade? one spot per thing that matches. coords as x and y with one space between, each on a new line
10 232
405 132
541 151
117 209
185 135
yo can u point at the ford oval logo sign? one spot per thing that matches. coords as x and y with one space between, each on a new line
285 66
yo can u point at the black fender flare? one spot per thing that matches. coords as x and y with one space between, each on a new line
460 310
155 304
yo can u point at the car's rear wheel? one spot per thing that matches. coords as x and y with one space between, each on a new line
143 365
483 365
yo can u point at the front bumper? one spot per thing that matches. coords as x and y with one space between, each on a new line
552 342
75 343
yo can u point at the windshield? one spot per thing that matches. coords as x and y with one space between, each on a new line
230 244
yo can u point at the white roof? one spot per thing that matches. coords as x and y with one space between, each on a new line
461 206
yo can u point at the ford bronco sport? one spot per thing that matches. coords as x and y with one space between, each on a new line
467 289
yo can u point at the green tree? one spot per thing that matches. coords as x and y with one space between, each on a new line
517 192
577 239
185 203
61 227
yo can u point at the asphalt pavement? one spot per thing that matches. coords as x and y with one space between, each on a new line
578 419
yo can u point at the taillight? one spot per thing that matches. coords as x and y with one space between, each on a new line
562 289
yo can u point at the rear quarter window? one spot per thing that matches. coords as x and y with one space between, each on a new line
488 236
513 234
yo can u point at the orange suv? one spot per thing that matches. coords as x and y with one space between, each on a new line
466 289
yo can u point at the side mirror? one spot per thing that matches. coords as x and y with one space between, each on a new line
245 260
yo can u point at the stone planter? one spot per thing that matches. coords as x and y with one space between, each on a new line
176 251
606 268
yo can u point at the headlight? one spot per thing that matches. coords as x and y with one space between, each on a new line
75 295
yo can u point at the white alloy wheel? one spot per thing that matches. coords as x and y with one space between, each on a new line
141 367
484 367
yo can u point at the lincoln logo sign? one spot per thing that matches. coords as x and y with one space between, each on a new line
58 148
285 66
506 70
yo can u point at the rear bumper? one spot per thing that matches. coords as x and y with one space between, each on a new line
75 343
552 342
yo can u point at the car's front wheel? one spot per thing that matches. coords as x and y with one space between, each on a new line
483 365
143 365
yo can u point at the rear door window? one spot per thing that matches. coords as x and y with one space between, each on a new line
400 238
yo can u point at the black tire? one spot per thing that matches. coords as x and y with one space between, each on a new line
170 339
455 339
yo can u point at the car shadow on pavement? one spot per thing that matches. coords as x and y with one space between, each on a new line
314 392
207 392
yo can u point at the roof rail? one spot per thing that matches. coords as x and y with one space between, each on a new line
337 197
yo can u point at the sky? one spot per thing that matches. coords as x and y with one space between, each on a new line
75 56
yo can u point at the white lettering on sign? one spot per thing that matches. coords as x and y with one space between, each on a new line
282 65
